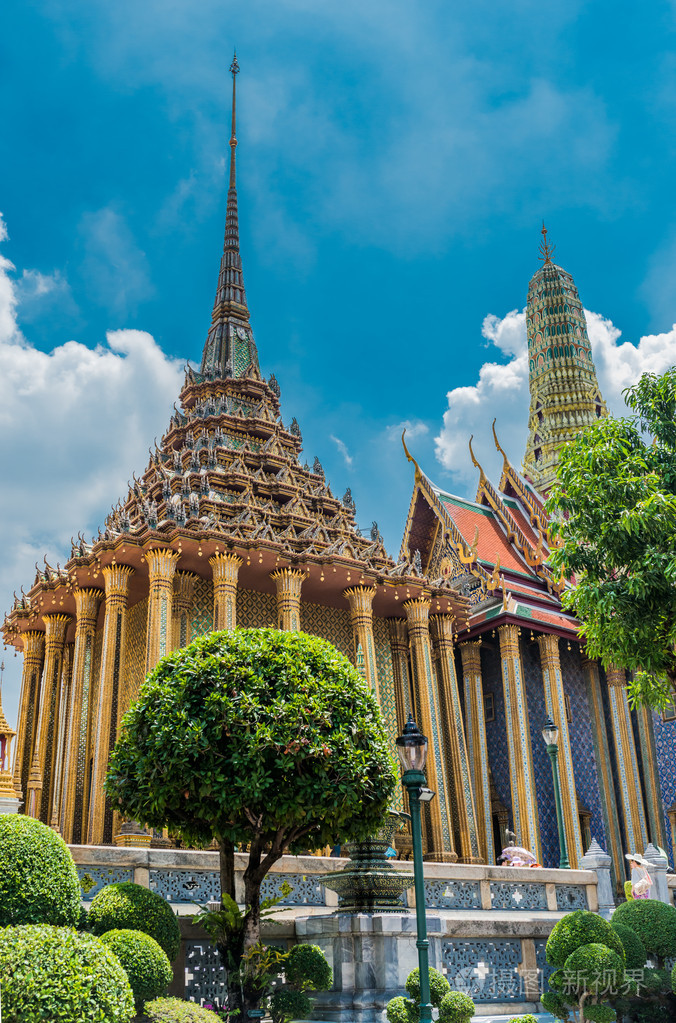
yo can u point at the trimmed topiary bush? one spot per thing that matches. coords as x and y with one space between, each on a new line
307 968
456 1007
581 928
527 1018
38 879
402 1010
287 1004
634 949
129 906
144 962
439 986
600 1013
175 1010
654 922
595 969
56 973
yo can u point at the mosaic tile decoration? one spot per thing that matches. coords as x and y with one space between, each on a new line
665 745
202 615
135 654
256 610
542 767
611 748
496 732
330 623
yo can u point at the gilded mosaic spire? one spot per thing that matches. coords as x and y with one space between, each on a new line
564 392
230 349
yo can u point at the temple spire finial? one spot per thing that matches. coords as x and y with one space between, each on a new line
546 249
234 71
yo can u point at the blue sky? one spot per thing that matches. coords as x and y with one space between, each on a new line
395 163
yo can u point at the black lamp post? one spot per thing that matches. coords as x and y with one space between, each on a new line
550 734
412 750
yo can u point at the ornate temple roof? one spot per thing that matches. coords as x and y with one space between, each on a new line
564 392
227 476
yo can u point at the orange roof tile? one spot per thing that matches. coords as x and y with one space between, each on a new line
493 543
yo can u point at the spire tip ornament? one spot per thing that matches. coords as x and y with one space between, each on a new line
546 249
234 67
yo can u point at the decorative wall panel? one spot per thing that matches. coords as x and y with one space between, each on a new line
202 616
488 971
256 610
134 668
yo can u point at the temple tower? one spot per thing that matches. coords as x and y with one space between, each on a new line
564 392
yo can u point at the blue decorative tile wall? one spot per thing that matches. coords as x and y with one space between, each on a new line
665 746
496 733
537 714
611 749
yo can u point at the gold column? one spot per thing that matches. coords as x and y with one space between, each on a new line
437 817
61 731
33 655
556 708
611 821
72 804
478 746
360 599
626 761
225 568
161 568
521 773
288 582
651 778
184 595
39 779
453 728
104 731
402 689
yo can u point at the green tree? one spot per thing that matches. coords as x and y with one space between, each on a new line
614 514
258 737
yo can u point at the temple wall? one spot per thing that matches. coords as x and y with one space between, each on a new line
496 733
542 768
134 669
665 744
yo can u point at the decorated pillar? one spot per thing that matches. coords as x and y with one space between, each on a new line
651 779
87 603
161 568
477 746
104 730
61 727
9 801
521 773
288 582
402 689
437 818
611 822
39 778
225 568
556 708
184 598
626 761
33 656
453 728
360 599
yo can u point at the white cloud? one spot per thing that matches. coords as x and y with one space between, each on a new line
502 391
75 424
115 268
342 447
414 428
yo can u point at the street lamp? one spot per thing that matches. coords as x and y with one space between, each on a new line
550 733
412 750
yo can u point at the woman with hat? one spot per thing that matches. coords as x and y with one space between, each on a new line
641 881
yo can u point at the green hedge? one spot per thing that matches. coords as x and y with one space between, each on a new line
308 967
600 1013
38 879
653 921
402 1010
175 1010
456 1007
439 986
57 974
577 929
144 962
634 949
595 968
129 906
287 1004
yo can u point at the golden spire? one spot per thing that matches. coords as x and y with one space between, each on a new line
546 249
418 471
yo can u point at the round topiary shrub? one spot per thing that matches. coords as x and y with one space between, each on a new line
129 906
634 949
439 986
456 1007
595 968
286 1004
653 921
175 1010
144 962
55 973
527 1018
555 1003
308 967
600 1013
38 879
402 1010
581 928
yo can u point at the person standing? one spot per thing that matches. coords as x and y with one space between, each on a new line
641 881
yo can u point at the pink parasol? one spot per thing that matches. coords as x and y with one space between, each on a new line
512 852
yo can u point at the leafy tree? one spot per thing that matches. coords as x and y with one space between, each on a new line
615 517
258 737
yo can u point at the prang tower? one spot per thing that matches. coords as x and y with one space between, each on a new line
564 392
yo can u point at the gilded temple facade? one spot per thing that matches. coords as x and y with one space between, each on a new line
227 527
520 658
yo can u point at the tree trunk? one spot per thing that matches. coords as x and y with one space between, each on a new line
226 850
